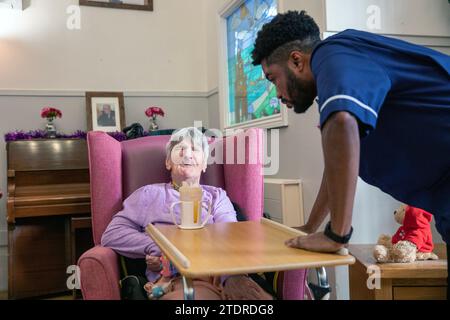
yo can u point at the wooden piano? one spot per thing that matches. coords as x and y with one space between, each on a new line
48 187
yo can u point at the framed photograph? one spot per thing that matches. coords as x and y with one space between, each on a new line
105 111
146 5
247 99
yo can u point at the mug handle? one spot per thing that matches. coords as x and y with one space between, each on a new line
209 212
173 214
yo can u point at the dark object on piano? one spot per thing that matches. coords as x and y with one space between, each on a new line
48 185
134 131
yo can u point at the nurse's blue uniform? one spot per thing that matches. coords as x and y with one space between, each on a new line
400 94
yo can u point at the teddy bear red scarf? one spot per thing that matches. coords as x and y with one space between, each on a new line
416 229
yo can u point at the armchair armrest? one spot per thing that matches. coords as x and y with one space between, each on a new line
293 284
99 274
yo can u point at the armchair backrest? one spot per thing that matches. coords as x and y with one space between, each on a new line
117 169
143 162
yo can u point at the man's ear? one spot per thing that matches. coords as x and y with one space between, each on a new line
296 60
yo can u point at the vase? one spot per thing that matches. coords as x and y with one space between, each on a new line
50 128
153 125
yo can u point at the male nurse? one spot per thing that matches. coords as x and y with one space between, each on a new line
384 109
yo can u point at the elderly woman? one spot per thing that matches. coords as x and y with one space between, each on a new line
187 153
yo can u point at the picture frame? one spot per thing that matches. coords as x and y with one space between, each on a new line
105 111
246 98
146 5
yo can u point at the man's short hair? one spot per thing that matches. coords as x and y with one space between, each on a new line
287 32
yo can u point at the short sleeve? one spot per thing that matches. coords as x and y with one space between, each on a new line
348 80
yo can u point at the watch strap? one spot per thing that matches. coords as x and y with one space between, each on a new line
335 237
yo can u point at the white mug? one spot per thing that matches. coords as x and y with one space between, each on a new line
188 218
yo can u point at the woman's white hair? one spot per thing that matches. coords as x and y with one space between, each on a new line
194 135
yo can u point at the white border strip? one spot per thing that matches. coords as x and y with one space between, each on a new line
343 96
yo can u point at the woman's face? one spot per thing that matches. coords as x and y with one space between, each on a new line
186 161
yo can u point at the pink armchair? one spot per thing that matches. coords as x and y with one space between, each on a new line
119 168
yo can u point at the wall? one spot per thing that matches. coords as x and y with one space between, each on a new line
300 145
126 50
212 56
155 58
400 17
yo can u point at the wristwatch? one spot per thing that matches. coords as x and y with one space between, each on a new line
335 237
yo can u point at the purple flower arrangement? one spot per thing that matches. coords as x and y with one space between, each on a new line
42 134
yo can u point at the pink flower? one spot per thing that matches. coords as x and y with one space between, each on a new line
50 112
152 112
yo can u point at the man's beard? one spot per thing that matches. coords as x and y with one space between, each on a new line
302 94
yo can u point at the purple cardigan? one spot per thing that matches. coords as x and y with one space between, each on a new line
150 204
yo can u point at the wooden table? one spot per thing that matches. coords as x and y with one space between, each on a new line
399 281
236 248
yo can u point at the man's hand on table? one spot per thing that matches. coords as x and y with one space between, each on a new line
314 242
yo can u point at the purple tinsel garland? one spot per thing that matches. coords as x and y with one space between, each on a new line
42 134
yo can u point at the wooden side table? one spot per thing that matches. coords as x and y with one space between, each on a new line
399 281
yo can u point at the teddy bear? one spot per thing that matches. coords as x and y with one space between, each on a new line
412 241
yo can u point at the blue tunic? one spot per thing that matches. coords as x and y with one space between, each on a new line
400 94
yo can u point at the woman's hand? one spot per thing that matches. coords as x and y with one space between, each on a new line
244 288
153 263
